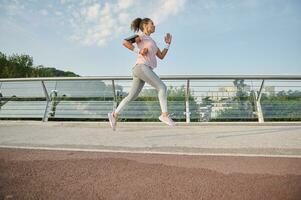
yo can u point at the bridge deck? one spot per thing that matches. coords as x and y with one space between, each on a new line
217 161
271 139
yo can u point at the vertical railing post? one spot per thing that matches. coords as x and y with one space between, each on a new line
258 105
54 100
1 95
115 96
45 117
187 110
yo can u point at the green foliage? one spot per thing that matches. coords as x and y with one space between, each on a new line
207 101
21 66
285 105
283 96
241 94
236 111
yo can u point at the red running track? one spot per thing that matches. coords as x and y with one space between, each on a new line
41 174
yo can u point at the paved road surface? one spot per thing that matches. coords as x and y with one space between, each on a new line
149 161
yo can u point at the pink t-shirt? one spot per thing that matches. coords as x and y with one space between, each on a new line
150 58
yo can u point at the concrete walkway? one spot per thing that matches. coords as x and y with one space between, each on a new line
242 139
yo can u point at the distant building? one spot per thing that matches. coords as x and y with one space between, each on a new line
269 90
222 99
230 91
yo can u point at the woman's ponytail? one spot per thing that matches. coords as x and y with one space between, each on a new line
136 24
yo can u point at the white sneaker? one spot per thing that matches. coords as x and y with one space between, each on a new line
112 121
167 120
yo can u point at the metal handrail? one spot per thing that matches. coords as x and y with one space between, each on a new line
164 77
187 78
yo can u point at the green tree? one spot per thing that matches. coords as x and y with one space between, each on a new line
242 104
241 93
21 66
285 105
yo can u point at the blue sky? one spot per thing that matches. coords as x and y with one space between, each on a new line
209 36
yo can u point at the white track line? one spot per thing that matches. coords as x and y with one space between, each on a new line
151 152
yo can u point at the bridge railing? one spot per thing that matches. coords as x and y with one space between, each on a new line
190 98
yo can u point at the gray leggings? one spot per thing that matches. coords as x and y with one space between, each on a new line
141 74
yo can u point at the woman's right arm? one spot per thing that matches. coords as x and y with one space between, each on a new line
131 47
128 45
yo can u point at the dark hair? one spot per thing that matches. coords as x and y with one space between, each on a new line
138 24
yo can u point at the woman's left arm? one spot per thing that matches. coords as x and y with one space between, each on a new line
161 54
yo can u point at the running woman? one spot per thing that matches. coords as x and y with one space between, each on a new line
143 70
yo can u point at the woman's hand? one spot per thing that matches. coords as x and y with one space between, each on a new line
168 38
137 39
161 54
143 51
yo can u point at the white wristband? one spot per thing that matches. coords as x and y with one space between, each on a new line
136 50
167 46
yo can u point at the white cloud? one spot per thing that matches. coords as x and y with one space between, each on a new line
168 8
124 4
64 1
44 12
97 24
124 17
13 8
58 13
94 22
92 12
